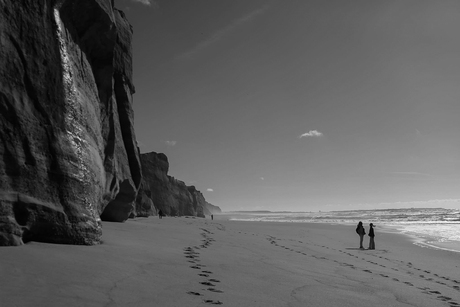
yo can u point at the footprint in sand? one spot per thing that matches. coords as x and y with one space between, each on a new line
208 272
435 292
194 293
423 288
408 283
215 290
444 298
441 283
383 275
213 302
214 280
207 283
368 271
395 279
204 275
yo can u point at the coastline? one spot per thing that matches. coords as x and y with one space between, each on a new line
201 262
419 237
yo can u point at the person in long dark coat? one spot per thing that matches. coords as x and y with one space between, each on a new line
371 236
361 232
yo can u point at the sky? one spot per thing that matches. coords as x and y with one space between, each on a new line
302 105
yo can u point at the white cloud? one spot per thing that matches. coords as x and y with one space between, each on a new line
262 178
217 35
145 2
210 190
171 143
312 133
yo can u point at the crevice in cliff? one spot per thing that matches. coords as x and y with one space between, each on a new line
127 130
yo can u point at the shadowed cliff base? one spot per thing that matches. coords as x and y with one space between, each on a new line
173 197
68 150
66 121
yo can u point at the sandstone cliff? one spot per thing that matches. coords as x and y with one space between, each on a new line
68 152
168 194
200 202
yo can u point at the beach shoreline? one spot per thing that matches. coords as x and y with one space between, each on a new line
415 230
201 262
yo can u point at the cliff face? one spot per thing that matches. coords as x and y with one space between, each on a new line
168 194
68 152
203 207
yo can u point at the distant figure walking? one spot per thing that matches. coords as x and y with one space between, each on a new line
160 214
371 236
212 217
361 232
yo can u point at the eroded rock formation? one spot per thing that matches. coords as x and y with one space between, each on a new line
199 202
68 152
168 194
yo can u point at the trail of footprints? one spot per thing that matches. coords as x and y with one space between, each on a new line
409 270
192 255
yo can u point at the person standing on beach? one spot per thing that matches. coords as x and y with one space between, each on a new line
371 236
361 232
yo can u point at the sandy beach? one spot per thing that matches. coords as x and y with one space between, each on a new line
199 262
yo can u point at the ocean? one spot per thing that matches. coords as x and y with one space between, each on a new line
436 228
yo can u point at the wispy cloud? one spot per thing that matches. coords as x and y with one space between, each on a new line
311 133
171 143
217 35
210 190
147 2
262 178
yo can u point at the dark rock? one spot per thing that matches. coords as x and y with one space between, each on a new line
122 162
144 203
200 204
168 194
67 146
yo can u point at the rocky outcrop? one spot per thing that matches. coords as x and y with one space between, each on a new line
203 207
168 194
68 152
144 203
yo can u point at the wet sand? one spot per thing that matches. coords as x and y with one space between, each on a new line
199 262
